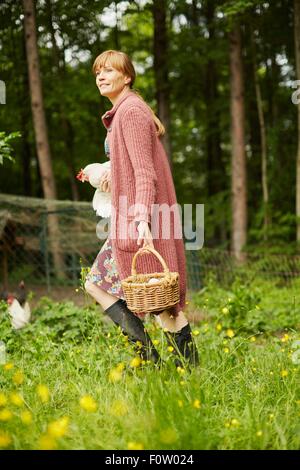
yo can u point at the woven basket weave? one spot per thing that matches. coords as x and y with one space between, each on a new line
150 298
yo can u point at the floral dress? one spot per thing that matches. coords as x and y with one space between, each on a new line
104 272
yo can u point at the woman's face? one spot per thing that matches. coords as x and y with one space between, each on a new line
110 81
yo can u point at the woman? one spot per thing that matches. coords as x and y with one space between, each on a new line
140 175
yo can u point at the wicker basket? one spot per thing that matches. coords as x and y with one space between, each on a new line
142 296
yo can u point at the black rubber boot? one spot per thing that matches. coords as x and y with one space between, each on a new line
183 344
133 327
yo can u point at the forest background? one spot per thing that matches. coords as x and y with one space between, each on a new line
222 76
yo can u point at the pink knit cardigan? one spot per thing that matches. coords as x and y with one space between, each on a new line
140 171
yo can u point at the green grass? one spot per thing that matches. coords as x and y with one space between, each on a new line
244 395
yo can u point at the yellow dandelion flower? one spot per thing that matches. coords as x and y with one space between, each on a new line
225 310
197 404
235 423
284 373
285 338
16 399
26 417
180 370
88 403
218 327
259 433
59 427
271 416
155 342
139 344
120 367
135 362
119 408
47 442
5 414
18 377
3 399
8 366
253 339
135 446
180 403
115 375
230 333
5 439
196 332
226 350
43 393
170 348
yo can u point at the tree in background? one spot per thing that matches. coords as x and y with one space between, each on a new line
161 69
238 165
297 59
37 102
40 127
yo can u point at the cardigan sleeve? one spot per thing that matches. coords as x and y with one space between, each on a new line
138 133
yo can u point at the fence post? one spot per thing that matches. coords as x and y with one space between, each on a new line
193 267
44 248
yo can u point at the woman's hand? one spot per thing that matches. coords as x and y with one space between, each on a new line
105 182
145 235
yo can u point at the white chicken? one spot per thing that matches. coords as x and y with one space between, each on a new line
20 315
93 174
18 306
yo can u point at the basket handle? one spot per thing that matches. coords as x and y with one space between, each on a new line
151 250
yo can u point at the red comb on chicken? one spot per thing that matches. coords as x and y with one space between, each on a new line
10 299
81 176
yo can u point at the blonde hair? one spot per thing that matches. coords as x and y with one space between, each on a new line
121 62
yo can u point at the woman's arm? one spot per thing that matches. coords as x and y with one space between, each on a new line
145 235
138 132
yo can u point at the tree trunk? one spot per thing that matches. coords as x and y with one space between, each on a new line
161 70
65 123
263 140
40 128
238 162
215 167
25 119
297 57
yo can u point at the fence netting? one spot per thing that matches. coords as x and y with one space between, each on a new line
49 242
